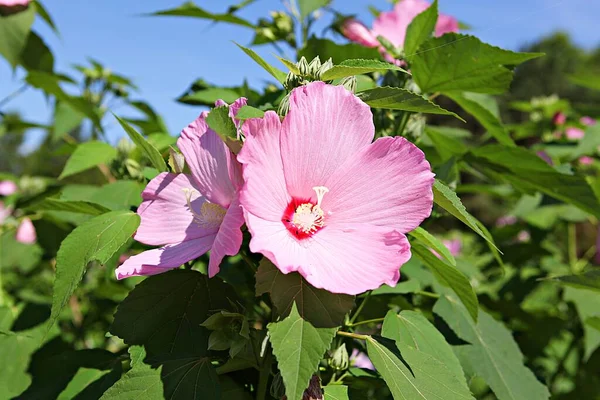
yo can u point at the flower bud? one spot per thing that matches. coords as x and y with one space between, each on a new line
314 66
327 65
284 106
176 161
349 83
339 358
303 66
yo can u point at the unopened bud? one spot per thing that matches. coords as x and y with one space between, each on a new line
327 65
303 66
339 358
314 66
349 83
284 106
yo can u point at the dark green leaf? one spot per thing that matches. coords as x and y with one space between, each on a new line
587 303
588 79
420 29
150 151
277 73
88 155
587 280
298 347
45 16
219 121
358 67
189 9
80 207
14 30
37 55
432 242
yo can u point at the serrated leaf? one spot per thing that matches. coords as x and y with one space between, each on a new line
432 242
247 112
290 65
493 351
358 67
427 378
451 277
148 149
587 303
88 155
277 73
455 62
488 120
420 29
189 9
80 207
298 347
95 240
588 280
14 30
394 98
321 308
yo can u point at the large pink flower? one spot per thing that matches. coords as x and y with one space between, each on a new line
7 188
191 214
321 199
392 25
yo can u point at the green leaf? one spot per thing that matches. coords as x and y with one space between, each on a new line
587 303
186 378
326 49
447 146
420 29
493 351
247 112
455 62
588 79
358 67
335 392
589 144
587 280
119 195
298 347
189 9
153 155
525 170
427 377
290 65
66 119
37 55
14 30
488 120
444 197
277 73
43 13
432 242
412 329
80 207
394 98
95 240
165 313
451 277
321 308
219 121
88 155
307 7
208 96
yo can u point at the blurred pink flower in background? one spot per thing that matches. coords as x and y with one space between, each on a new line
586 160
573 133
359 359
587 121
454 246
559 118
597 256
26 232
7 188
523 236
506 220
392 25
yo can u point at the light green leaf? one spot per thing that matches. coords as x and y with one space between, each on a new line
335 392
277 73
587 303
490 122
247 112
394 98
149 150
309 6
420 29
80 207
298 347
416 375
447 146
326 49
14 30
587 280
95 240
589 144
451 277
493 351
87 155
432 242
66 119
290 65
82 379
189 9
455 62
119 195
588 79
219 121
358 67
321 308
444 197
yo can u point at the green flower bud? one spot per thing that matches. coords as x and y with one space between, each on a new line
327 65
284 106
314 66
303 66
339 358
349 83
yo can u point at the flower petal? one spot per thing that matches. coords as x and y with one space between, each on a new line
264 193
389 183
229 238
156 261
165 215
325 126
7 188
359 33
446 24
212 164
26 232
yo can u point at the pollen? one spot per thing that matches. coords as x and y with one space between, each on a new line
308 217
211 215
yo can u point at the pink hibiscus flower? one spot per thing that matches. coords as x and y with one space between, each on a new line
7 188
586 160
321 199
26 232
574 133
454 246
559 118
587 121
361 360
392 25
191 214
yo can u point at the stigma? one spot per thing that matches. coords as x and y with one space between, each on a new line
304 218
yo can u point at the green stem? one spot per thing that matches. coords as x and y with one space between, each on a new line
368 321
428 294
248 260
572 246
263 379
14 94
402 125
359 309
352 335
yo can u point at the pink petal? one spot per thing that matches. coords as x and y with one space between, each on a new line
361 360
559 118
26 232
10 3
341 259
586 160
391 26
574 133
263 169
161 260
165 215
7 188
229 238
212 164
359 33
325 126
587 121
446 24
389 183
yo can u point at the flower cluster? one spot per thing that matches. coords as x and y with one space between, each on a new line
317 195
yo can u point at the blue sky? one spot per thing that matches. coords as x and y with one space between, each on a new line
164 55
